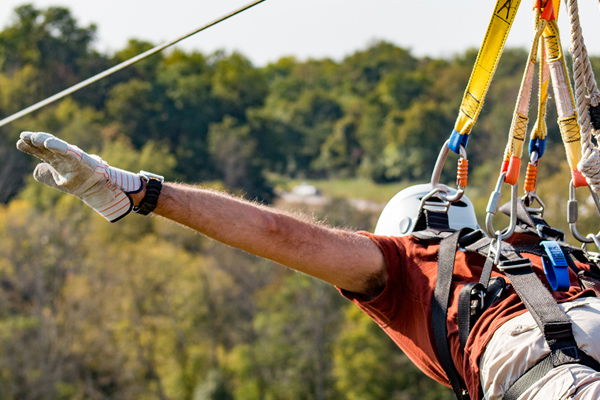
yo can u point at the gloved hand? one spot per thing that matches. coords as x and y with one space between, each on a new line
68 168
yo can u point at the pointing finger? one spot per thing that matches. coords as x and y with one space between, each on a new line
26 147
56 145
37 138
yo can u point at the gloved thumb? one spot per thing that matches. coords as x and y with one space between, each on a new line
46 174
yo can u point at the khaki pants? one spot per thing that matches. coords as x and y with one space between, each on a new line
519 343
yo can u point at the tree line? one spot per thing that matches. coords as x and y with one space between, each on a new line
380 113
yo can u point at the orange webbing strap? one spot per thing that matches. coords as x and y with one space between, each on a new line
537 140
513 153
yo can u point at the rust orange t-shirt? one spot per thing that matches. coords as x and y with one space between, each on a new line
403 308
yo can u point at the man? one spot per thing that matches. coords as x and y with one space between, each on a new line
392 278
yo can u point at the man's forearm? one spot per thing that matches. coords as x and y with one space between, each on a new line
342 258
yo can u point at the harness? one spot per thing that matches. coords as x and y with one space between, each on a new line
546 242
476 297
506 259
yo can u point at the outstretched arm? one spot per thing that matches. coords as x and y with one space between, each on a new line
345 259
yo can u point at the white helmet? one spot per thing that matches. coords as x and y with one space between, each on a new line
401 213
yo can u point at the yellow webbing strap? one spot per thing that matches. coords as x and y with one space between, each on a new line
565 101
483 71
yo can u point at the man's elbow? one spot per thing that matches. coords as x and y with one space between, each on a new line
272 224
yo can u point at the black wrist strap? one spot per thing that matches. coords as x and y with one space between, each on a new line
150 200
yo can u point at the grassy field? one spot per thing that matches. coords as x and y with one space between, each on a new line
356 188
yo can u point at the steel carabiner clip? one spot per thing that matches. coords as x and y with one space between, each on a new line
437 173
492 208
573 216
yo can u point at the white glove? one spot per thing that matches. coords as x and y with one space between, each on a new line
68 168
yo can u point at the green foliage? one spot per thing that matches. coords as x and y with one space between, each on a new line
147 310
233 149
50 41
416 141
341 151
301 311
380 113
366 365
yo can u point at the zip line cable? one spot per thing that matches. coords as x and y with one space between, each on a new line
121 66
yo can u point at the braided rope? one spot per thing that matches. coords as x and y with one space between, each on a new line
586 95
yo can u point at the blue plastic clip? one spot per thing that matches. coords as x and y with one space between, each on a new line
537 145
456 140
556 267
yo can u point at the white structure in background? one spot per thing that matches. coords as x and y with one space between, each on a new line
304 189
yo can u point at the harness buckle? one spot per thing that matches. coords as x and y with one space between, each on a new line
514 264
558 330
549 233
557 333
477 300
529 200
593 256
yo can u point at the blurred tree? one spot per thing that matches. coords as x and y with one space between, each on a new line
341 152
363 70
234 153
417 137
137 107
315 113
50 41
237 85
188 111
368 366
291 356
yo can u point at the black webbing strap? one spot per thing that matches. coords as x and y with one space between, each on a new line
468 309
473 300
552 321
477 242
436 220
538 371
439 313
550 318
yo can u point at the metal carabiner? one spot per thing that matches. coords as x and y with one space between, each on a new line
437 173
492 207
529 200
595 239
531 197
592 255
573 215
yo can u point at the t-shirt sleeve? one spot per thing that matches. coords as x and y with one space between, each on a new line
386 306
